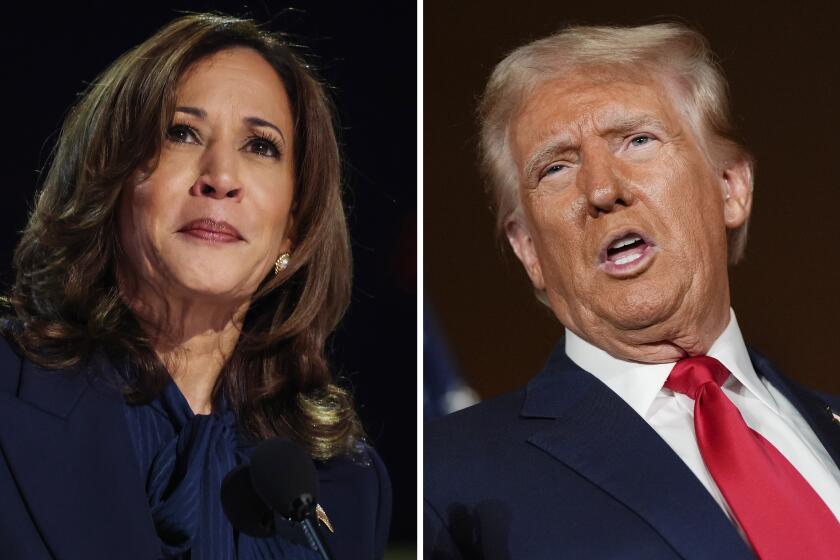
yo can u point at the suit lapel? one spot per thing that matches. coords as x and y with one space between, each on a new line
598 435
814 410
67 444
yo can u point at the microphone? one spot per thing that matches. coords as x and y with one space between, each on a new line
280 481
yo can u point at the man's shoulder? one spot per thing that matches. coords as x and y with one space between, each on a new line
465 445
833 401
790 387
497 429
469 426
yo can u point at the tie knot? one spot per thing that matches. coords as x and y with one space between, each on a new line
690 374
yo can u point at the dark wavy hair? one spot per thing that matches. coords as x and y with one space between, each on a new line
66 301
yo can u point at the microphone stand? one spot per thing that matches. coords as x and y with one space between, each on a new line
303 512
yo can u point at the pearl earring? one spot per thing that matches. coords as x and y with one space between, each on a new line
282 262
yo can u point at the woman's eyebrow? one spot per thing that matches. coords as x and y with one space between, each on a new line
257 121
195 111
252 121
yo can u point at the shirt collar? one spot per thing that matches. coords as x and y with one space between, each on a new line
639 384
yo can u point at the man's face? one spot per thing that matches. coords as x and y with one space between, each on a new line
623 219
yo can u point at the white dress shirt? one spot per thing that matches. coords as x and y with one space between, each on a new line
671 414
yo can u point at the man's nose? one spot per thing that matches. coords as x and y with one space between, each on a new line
605 189
218 177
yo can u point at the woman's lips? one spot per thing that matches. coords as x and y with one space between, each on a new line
211 230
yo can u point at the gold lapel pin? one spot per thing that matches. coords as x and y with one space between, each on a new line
322 515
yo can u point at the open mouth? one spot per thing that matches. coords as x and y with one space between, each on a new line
626 250
626 254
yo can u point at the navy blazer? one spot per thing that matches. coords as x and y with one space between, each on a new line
70 485
564 468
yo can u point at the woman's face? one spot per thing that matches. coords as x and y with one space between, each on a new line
210 220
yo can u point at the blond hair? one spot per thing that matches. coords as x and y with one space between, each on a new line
677 53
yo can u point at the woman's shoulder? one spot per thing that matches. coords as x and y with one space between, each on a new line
361 463
10 362
355 494
56 390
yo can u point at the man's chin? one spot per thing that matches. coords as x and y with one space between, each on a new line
638 332
638 305
659 352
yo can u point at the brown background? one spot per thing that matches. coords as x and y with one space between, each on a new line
784 72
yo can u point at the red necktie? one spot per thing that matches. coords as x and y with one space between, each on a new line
781 515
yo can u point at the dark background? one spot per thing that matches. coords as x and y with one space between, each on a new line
782 63
368 53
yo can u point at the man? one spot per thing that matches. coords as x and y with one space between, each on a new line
652 431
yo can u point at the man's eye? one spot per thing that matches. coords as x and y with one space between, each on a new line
182 134
641 140
552 169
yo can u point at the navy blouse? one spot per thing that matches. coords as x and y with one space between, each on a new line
183 458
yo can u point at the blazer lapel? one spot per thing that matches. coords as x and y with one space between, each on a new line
814 410
67 444
598 435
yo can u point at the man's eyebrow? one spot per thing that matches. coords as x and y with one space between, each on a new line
558 144
251 121
622 125
626 124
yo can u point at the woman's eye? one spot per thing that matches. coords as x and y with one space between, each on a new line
182 134
264 147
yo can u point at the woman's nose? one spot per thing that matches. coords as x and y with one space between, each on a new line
218 176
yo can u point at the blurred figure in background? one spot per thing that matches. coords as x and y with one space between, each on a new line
444 391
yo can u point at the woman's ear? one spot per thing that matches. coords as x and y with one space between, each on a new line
289 236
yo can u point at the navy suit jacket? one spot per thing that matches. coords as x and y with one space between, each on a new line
70 486
564 468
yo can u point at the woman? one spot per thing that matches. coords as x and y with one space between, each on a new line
185 261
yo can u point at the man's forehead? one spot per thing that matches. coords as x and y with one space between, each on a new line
583 98
568 105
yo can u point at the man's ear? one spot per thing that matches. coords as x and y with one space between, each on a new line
738 185
523 245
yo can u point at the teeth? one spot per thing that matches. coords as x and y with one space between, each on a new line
627 259
625 241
